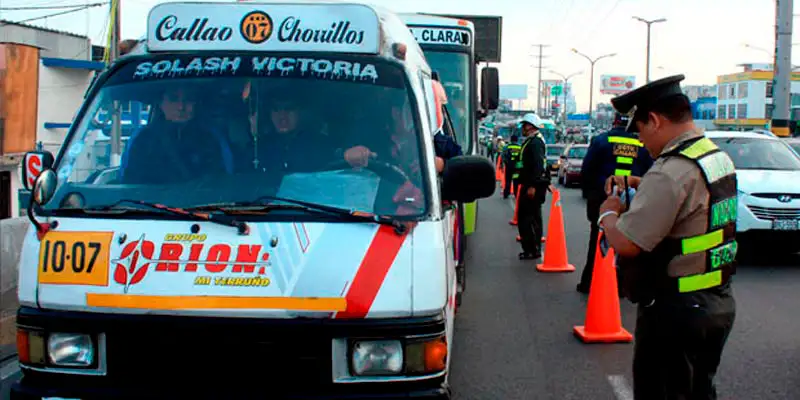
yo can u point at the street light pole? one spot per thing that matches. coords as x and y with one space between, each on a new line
591 78
564 89
649 23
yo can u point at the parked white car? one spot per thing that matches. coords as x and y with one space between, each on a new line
768 175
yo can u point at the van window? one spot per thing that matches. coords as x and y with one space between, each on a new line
228 128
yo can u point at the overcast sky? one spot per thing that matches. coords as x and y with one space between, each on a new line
701 38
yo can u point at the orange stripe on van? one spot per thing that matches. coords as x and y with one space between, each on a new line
328 304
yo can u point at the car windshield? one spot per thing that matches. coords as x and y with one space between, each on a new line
795 146
752 153
577 152
236 128
453 69
555 150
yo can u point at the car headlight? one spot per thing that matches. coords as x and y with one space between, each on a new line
70 350
377 357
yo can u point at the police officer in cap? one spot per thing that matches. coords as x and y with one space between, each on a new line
676 243
534 181
510 160
616 152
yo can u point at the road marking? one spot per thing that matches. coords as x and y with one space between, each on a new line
9 369
620 386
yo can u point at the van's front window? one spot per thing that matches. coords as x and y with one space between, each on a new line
200 130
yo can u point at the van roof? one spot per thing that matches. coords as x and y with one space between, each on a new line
279 25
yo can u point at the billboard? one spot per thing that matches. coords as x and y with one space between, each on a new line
617 84
488 35
513 92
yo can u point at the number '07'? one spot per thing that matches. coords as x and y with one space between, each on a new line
81 256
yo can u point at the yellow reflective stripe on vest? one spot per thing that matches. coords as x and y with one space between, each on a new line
697 244
624 140
622 172
697 282
699 148
624 160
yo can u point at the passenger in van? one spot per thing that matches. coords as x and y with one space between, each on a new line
175 146
285 137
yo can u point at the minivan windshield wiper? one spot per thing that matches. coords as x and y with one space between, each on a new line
265 204
139 206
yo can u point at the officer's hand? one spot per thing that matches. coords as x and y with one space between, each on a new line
439 164
612 203
619 182
531 192
358 156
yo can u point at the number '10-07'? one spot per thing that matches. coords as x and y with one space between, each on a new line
80 257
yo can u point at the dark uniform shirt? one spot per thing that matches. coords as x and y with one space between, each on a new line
534 159
601 160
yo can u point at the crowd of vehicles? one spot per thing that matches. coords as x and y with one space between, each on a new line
311 246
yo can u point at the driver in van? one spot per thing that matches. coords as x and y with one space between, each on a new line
175 145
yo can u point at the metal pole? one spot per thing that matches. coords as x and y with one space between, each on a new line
591 91
783 68
116 122
564 106
539 97
647 78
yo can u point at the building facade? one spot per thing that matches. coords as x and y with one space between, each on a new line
48 73
744 99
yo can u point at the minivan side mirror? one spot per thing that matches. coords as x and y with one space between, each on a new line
34 163
490 88
468 178
45 187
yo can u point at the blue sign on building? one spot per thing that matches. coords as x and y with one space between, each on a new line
704 108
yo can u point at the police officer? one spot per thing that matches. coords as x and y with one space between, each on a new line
615 152
510 159
676 244
534 180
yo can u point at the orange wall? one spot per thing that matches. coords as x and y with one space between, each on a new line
19 89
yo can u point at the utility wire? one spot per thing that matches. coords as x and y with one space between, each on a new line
52 15
30 8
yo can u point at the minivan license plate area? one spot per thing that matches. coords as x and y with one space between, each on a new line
786 224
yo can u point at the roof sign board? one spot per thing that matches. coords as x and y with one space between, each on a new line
488 35
441 36
617 84
337 28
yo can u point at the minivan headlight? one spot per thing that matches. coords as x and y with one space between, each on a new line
70 350
377 357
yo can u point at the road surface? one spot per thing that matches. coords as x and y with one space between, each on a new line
514 330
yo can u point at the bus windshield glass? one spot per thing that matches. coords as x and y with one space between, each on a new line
454 72
203 130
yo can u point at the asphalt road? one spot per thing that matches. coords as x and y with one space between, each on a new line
514 329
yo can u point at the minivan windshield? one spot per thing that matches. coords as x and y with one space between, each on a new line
764 154
454 72
213 129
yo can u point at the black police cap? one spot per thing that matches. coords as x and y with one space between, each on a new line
645 97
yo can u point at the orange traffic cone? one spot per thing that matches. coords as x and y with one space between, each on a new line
516 209
555 253
603 321
498 171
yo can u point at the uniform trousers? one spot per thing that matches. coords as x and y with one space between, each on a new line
529 220
679 343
